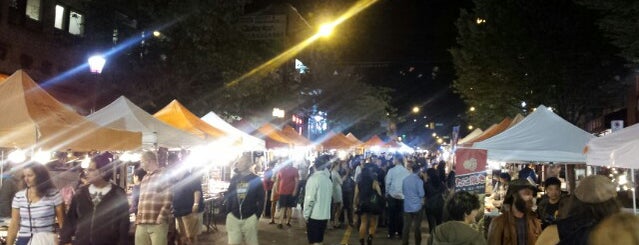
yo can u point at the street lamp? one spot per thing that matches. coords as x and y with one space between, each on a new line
470 127
415 109
326 30
472 108
96 63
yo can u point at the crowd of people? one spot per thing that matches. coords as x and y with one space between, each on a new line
387 190
98 212
399 191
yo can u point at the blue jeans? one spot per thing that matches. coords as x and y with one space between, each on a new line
23 240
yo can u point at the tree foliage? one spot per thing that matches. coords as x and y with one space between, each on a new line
538 52
619 20
201 50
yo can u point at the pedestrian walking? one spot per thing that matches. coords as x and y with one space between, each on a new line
413 191
394 196
368 203
35 209
154 207
244 203
188 206
286 182
98 214
462 209
317 200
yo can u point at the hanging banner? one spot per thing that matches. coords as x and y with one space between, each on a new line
470 169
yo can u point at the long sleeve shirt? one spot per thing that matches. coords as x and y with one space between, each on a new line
154 206
245 196
394 181
317 201
413 189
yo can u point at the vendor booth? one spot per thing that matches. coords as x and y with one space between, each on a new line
34 119
249 142
176 115
124 115
617 150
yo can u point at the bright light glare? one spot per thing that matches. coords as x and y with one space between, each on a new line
472 108
156 33
292 52
415 109
326 29
85 162
17 156
623 179
96 63
42 156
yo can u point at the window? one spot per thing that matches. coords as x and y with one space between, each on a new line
33 9
76 23
59 17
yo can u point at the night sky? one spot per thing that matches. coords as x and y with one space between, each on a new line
410 40
403 45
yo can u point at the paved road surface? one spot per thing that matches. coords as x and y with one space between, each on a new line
296 235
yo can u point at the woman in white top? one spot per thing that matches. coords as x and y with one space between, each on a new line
35 209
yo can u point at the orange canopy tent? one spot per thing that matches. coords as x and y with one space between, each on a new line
33 118
176 115
493 130
392 144
337 141
273 137
295 138
374 141
354 139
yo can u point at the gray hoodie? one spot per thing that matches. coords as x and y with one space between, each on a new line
456 233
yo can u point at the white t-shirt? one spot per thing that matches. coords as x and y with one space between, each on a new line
98 193
38 216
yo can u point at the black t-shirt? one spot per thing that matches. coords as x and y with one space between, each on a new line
550 214
522 236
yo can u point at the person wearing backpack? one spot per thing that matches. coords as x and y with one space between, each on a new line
368 203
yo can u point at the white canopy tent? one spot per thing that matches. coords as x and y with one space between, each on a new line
619 149
123 114
249 142
542 136
470 136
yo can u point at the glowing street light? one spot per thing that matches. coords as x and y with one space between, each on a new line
440 140
157 33
96 63
416 109
434 134
279 113
470 127
326 30
472 108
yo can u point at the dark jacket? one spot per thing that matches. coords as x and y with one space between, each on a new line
106 223
575 230
253 203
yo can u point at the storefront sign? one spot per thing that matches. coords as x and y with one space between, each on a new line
470 167
473 183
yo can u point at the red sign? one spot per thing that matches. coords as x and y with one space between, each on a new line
470 161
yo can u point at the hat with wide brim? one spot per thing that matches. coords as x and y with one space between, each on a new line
520 184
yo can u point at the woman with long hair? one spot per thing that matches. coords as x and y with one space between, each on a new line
35 209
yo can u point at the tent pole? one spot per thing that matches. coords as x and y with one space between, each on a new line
566 178
1 166
634 192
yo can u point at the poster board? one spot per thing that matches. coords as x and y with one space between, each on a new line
470 168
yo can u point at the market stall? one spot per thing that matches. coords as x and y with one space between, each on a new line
617 150
249 142
34 119
124 115
178 116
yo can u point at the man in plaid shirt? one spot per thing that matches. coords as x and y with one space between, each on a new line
154 206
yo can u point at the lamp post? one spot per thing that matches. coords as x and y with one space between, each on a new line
96 63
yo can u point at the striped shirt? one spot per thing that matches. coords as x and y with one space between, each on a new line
38 216
154 206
